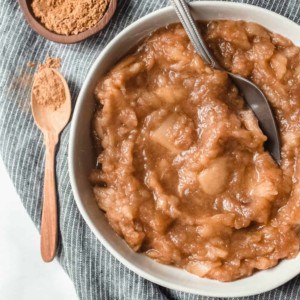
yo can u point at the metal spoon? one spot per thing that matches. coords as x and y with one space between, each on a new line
51 122
252 94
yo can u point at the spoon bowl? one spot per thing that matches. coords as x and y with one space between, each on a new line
65 39
46 117
260 106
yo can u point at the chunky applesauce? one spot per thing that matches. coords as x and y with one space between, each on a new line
182 173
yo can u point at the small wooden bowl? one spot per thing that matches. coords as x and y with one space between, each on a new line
65 39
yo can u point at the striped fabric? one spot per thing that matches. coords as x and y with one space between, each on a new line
96 274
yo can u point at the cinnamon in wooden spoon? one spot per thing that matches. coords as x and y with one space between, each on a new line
51 108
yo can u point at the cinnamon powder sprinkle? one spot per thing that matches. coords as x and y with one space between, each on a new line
48 89
69 17
30 64
50 62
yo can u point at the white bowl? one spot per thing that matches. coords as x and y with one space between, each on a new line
81 156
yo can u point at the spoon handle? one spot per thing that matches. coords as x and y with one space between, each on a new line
190 26
49 213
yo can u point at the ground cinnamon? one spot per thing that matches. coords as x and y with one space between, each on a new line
69 17
51 62
48 89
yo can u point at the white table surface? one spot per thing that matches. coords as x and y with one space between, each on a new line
23 274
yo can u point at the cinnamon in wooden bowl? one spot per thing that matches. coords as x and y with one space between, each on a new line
69 17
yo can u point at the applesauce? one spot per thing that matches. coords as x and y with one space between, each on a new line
182 174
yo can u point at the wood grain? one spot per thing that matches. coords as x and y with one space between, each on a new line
49 213
65 39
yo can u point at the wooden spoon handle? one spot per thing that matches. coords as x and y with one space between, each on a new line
49 213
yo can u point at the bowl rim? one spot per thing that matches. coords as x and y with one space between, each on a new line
259 288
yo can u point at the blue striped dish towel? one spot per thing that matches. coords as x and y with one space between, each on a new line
95 272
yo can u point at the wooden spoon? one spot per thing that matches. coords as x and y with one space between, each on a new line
65 39
51 122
